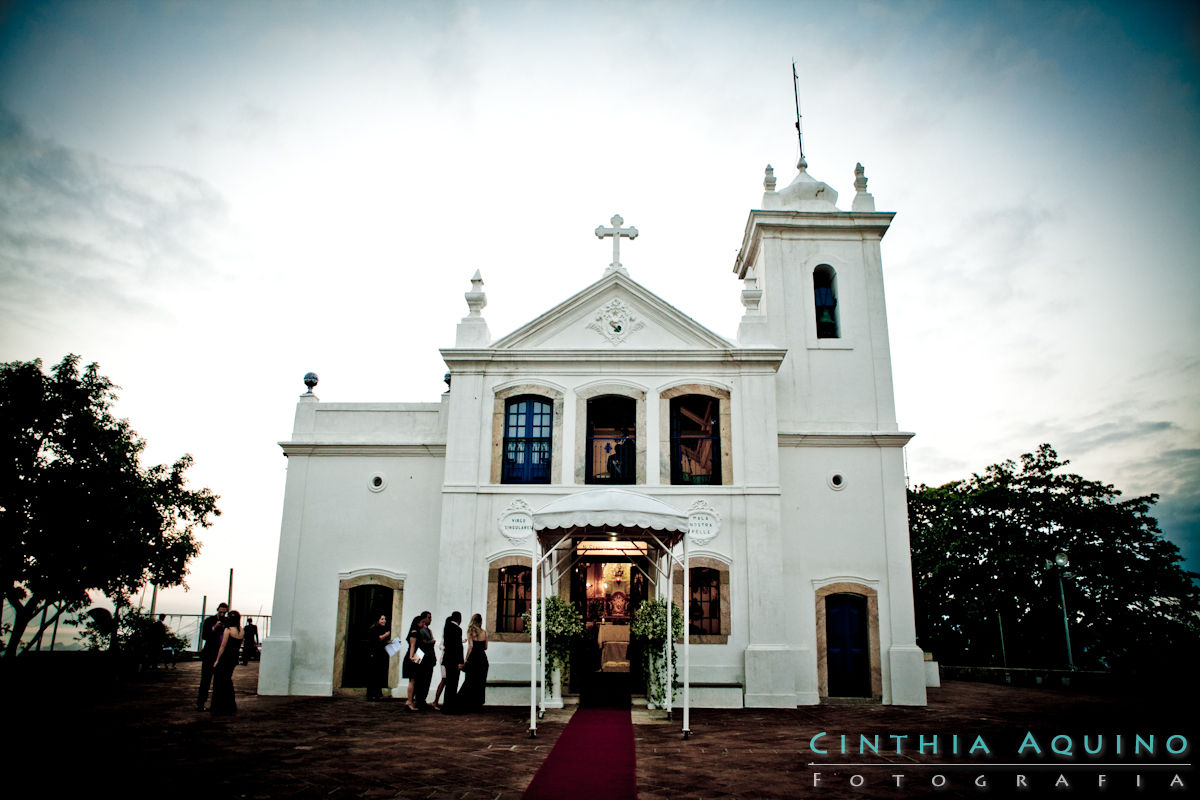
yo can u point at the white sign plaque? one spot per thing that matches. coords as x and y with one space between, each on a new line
704 523
516 521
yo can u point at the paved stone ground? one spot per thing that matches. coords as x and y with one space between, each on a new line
141 736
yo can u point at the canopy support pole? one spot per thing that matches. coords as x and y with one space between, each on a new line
685 564
535 563
669 678
687 639
545 660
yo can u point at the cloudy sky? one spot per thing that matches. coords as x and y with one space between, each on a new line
211 199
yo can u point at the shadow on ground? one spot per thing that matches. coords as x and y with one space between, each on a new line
141 735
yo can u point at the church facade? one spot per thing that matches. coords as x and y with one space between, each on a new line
596 436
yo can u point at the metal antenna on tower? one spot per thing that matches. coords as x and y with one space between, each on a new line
799 132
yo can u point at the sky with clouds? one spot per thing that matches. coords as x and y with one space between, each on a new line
211 199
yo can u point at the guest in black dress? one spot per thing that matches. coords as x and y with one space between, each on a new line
210 633
452 660
424 671
378 637
410 668
227 658
474 689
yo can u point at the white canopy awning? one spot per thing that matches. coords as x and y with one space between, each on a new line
612 508
601 511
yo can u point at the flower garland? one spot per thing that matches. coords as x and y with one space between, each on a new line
650 627
564 625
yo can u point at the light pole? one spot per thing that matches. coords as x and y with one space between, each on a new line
1060 563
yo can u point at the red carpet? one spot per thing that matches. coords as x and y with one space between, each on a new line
593 758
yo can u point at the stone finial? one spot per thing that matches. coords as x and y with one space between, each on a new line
863 201
476 299
769 178
751 295
753 328
310 381
472 329
802 165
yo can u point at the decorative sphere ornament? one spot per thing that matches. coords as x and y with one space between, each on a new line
310 380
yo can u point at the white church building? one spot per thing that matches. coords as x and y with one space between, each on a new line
604 433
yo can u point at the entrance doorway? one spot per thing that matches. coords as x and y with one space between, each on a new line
365 605
848 642
607 590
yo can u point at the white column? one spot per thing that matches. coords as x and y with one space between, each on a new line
567 467
653 440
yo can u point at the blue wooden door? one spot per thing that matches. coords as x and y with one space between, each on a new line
849 657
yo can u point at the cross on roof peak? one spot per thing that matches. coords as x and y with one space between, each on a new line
616 232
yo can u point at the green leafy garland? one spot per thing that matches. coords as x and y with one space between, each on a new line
650 627
564 625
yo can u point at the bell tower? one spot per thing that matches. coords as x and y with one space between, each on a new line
815 286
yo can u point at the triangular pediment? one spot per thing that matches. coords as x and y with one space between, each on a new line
614 312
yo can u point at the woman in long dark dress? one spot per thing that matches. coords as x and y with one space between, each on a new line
424 670
474 689
227 659
411 667
377 658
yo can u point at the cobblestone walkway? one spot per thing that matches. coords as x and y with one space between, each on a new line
142 737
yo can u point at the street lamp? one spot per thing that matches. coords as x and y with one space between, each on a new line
1061 562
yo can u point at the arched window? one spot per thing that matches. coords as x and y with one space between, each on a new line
528 420
512 598
695 439
704 608
708 603
825 300
611 449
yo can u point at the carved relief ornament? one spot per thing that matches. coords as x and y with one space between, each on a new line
615 321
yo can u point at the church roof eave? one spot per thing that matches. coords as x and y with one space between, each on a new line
833 224
768 358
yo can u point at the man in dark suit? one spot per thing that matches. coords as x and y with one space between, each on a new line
210 635
249 642
452 660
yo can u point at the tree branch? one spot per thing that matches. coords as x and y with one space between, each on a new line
50 620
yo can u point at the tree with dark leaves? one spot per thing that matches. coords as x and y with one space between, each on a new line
984 553
78 512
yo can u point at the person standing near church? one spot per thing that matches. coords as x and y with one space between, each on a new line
474 689
227 658
452 642
210 636
428 660
411 668
378 637
249 642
